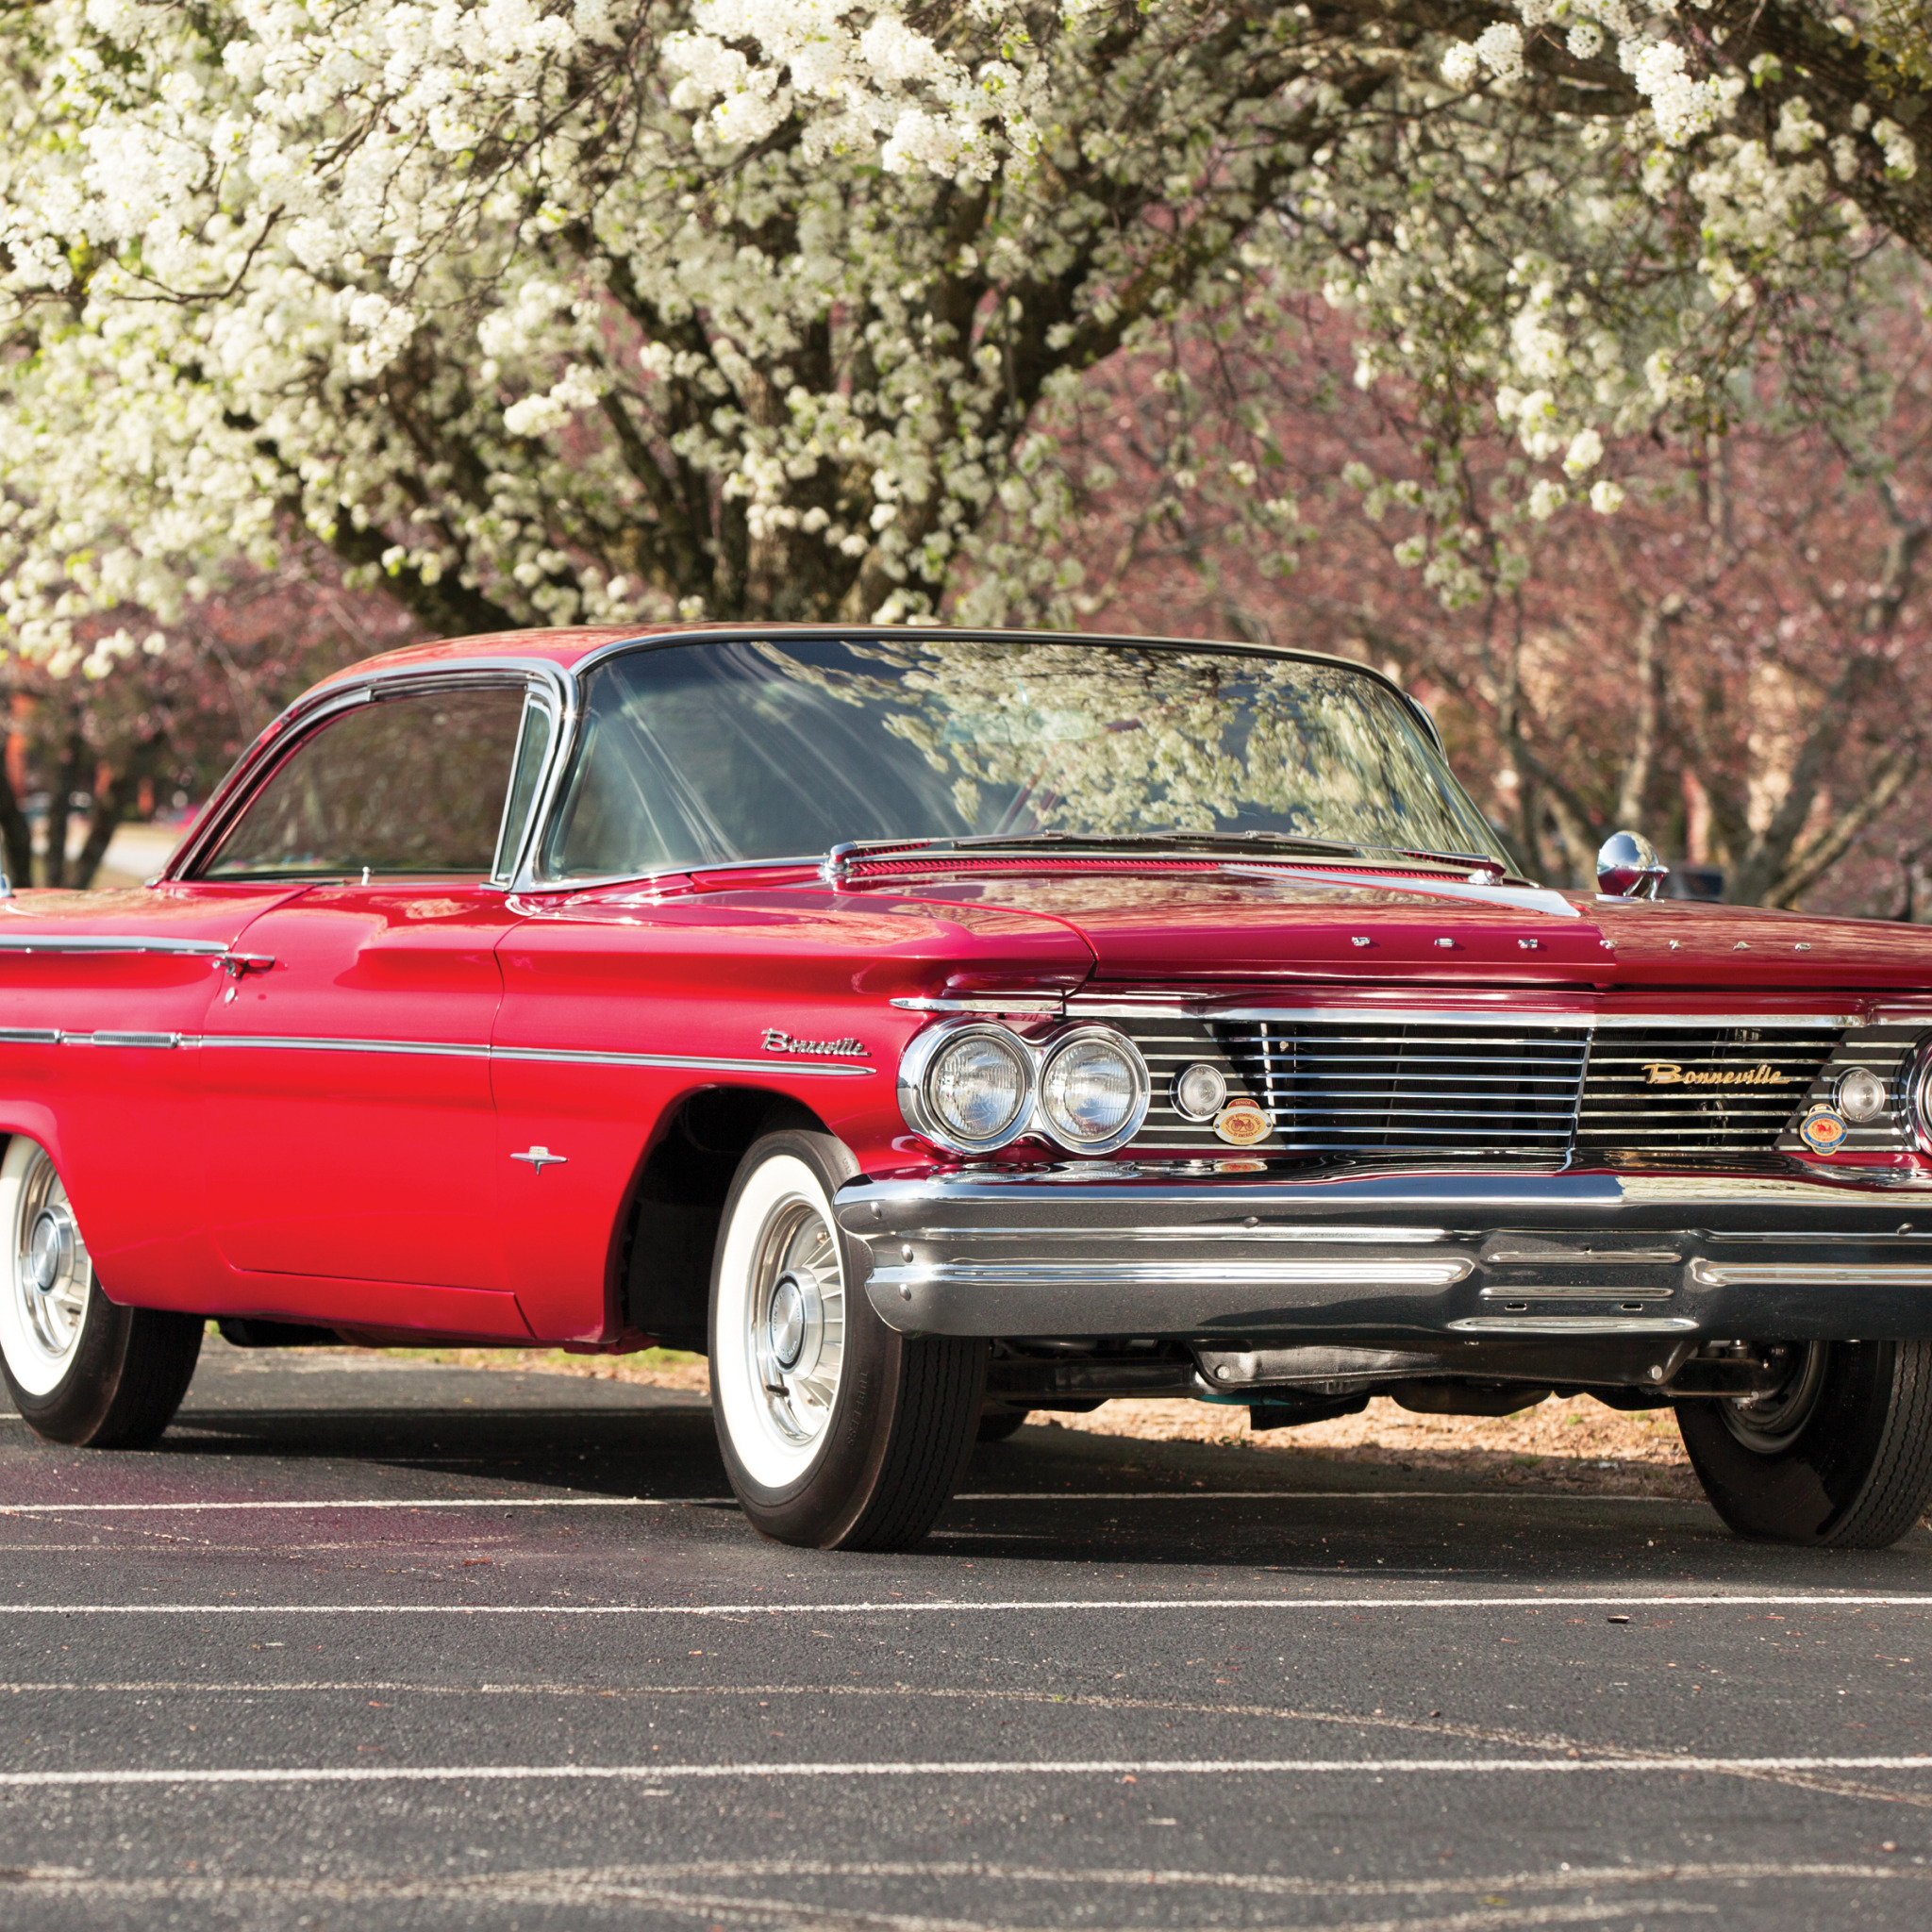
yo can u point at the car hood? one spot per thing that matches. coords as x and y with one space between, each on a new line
1156 928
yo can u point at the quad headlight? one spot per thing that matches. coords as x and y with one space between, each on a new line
969 1088
1093 1089
973 1087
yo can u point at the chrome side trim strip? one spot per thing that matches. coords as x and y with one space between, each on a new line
695 1062
121 1040
1801 1274
29 1035
292 1044
108 942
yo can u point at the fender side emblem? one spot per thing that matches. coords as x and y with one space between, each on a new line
540 1157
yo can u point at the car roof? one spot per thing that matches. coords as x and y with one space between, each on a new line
566 648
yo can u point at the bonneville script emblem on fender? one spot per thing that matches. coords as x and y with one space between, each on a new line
1668 1074
777 1040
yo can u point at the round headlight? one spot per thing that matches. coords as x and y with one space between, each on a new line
970 1088
1093 1091
1860 1094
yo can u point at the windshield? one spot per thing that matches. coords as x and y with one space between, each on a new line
710 753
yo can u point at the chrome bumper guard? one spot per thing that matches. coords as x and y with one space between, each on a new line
1650 1264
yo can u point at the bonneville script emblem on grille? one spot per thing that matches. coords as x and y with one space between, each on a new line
1668 1073
777 1040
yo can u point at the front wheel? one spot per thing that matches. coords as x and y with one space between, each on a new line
1839 1454
838 1432
79 1369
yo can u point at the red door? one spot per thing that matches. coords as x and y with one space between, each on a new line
351 1127
351 1134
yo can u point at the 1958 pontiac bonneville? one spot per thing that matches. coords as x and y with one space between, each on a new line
934 1026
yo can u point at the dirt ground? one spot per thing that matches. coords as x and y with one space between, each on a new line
1577 1444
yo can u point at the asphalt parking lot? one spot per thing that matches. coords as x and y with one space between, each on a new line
370 1643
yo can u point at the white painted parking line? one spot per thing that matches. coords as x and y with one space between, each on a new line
731 1502
364 1502
1064 1766
965 1606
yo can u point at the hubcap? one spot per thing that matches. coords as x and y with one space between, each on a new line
50 1248
50 1277
1770 1422
791 1312
796 1318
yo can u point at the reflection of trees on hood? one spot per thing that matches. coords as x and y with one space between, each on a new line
1119 741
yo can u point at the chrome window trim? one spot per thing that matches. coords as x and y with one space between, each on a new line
232 796
504 867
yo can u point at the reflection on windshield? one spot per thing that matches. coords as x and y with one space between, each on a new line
709 753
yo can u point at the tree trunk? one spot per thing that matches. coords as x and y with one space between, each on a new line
110 808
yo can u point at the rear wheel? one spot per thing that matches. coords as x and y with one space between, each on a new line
838 1432
1839 1453
79 1369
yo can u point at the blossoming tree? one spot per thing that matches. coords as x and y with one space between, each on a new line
549 310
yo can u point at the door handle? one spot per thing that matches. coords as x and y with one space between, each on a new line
237 965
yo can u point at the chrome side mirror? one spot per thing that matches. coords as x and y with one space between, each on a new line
1628 867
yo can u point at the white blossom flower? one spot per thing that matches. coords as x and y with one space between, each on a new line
1585 452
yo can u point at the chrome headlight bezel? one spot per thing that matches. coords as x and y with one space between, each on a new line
919 1062
1916 1096
1129 1055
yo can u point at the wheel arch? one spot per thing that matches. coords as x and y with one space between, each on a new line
671 1227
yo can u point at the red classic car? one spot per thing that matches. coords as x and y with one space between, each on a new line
934 1026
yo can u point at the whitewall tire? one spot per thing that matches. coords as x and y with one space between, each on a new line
837 1431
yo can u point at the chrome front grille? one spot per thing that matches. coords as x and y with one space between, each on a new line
1452 1087
1698 1089
1350 1087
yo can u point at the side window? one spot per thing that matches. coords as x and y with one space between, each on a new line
404 785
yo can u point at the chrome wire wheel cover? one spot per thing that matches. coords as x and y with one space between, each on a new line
43 1300
1771 1422
781 1322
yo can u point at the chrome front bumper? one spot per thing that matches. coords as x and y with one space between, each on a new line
1646 1260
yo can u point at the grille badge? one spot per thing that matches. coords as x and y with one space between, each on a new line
1669 1074
1242 1124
